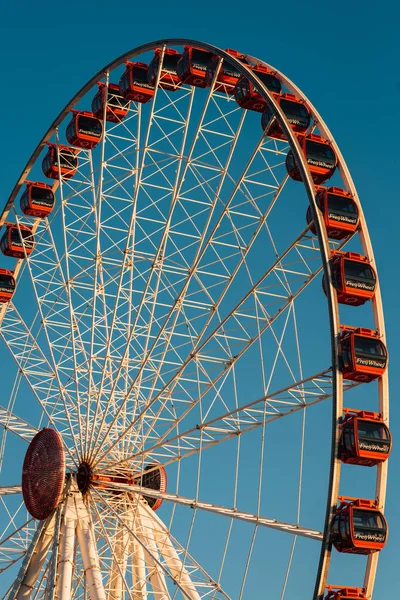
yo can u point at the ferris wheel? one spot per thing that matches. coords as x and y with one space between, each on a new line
180 388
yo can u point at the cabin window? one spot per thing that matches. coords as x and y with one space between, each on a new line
348 435
290 161
357 271
24 202
373 431
89 126
169 63
16 238
70 133
227 68
125 80
242 89
7 283
47 162
183 67
295 112
346 353
336 275
115 99
68 160
139 75
270 81
368 526
368 346
200 59
97 102
341 204
42 196
342 526
320 155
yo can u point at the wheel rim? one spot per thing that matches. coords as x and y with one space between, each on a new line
113 424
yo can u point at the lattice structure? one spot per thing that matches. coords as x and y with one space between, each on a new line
170 321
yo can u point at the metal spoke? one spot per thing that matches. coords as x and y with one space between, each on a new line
169 302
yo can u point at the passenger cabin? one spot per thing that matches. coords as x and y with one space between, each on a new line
248 97
319 155
296 112
117 106
169 79
365 439
14 241
358 527
228 75
363 355
353 278
84 130
134 84
37 200
154 477
60 161
192 66
344 593
339 211
7 285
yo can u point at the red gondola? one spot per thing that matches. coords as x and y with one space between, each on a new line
344 593
169 79
353 278
363 356
247 96
153 477
156 479
358 526
296 112
66 166
320 157
84 130
11 243
117 105
7 285
192 66
339 211
228 75
134 85
37 200
365 439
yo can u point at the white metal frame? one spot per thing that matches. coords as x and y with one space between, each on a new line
49 374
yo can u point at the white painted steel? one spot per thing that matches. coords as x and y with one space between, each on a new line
67 552
5 490
152 557
135 419
85 538
138 571
222 510
383 383
34 560
16 425
121 552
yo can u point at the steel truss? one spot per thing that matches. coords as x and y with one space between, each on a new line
150 306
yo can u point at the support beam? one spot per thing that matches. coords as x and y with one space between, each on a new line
167 550
33 561
8 490
12 423
120 550
85 537
138 571
66 553
156 574
232 513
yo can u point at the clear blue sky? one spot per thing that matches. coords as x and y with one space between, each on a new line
343 55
